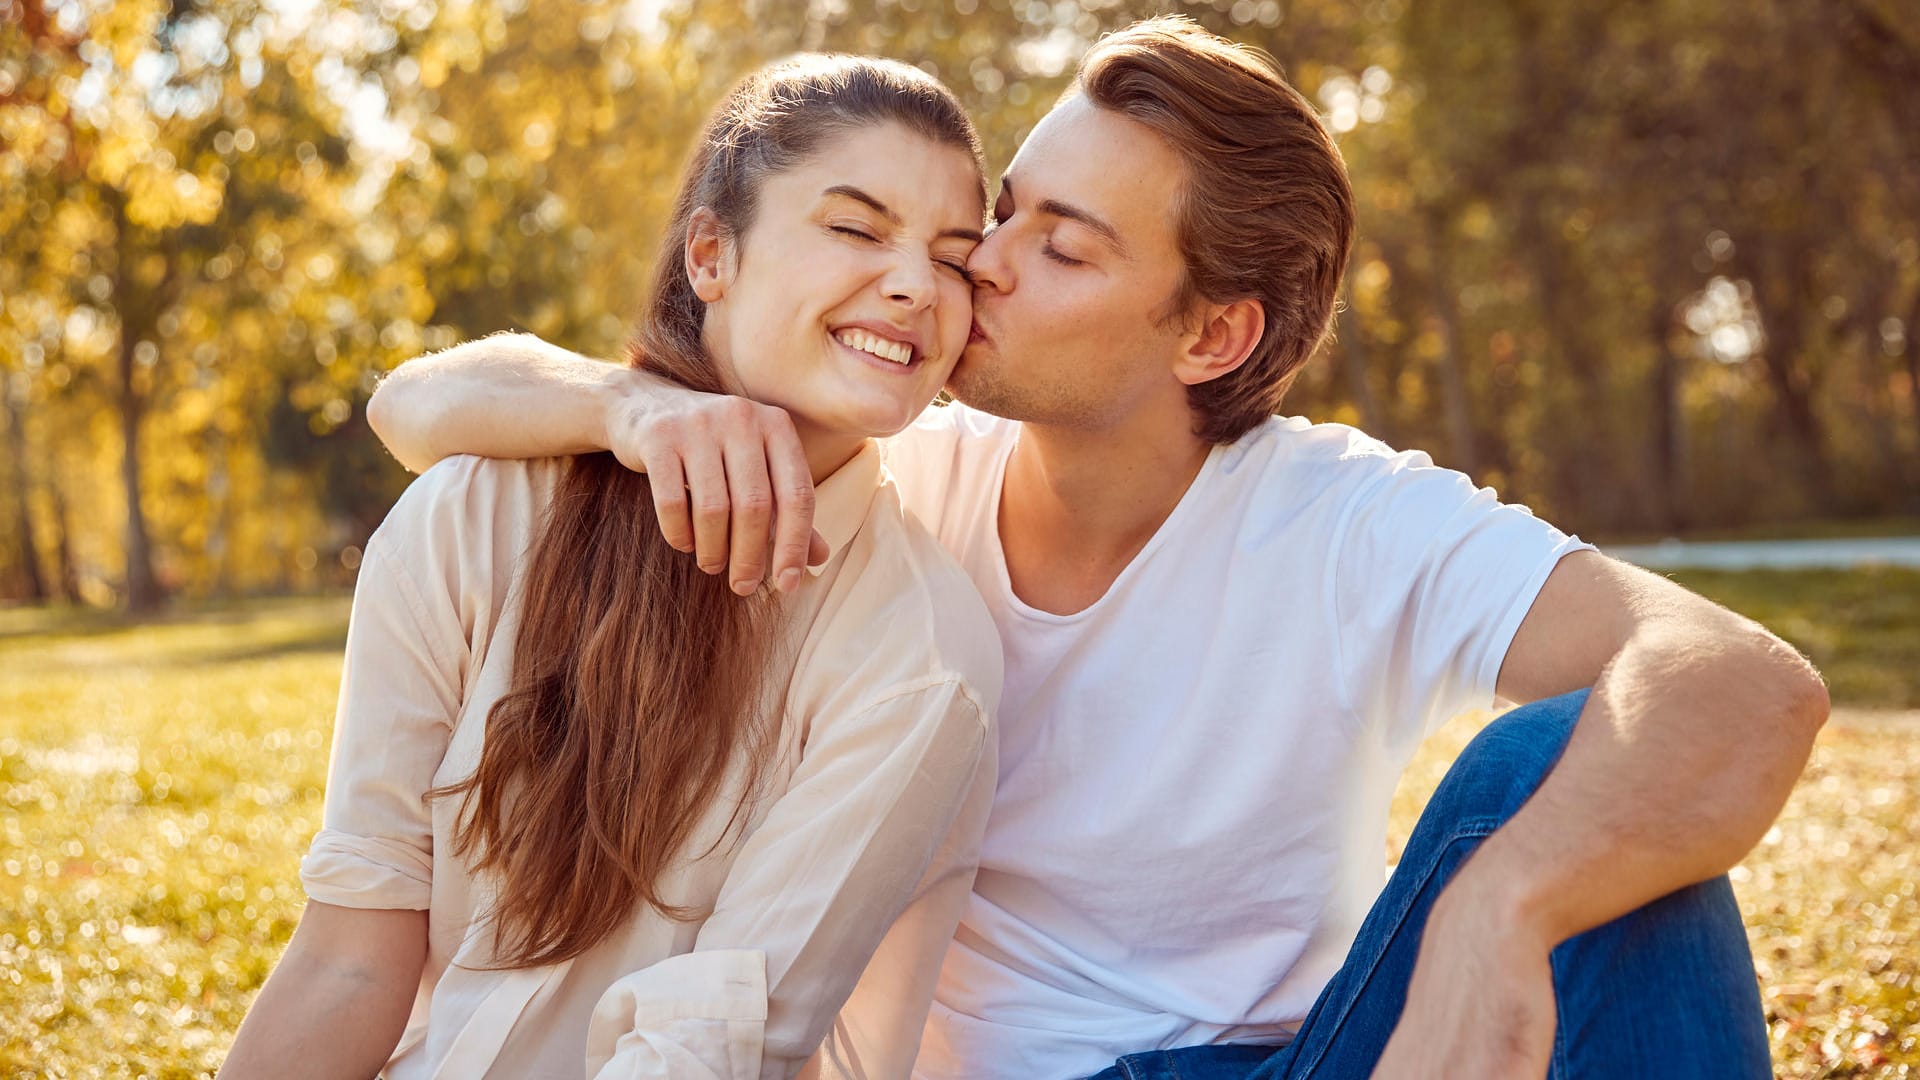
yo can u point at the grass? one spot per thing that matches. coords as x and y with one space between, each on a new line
160 783
161 780
1862 627
1810 529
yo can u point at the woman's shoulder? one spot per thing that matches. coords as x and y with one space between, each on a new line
465 495
466 521
911 609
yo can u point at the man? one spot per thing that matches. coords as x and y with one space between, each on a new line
1226 632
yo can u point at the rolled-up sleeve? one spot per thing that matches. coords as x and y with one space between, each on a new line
400 691
871 850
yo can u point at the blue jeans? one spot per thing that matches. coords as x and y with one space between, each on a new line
1667 990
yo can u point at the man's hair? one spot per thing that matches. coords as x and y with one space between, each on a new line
1267 214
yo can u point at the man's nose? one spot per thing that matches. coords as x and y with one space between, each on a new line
986 266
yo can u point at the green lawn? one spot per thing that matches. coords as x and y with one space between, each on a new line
161 781
1862 627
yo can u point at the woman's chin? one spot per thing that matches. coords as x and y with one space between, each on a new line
875 421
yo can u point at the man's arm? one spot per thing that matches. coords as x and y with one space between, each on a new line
1698 725
730 478
337 1002
504 396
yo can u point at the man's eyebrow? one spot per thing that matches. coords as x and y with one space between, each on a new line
1056 208
848 191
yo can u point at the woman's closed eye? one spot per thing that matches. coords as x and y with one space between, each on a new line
848 230
1060 257
959 267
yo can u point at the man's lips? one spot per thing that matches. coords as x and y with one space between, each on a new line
974 333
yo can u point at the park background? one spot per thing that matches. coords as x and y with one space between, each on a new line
1652 269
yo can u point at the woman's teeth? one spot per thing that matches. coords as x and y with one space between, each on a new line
896 351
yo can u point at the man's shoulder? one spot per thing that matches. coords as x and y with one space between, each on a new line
1295 440
1292 460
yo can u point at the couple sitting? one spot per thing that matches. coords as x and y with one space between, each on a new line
1055 735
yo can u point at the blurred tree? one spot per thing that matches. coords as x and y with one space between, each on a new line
1644 267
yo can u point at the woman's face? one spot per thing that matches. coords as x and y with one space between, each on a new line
846 303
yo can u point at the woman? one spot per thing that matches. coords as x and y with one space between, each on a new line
588 811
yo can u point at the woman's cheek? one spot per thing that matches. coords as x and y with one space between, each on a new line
956 308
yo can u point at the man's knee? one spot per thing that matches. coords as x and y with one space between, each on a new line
1503 765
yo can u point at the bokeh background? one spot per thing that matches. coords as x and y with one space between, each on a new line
1646 267
1652 268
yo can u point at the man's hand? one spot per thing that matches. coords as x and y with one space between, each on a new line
730 481
1481 1000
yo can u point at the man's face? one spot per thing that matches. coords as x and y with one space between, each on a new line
1073 284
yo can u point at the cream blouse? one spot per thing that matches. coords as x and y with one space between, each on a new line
862 843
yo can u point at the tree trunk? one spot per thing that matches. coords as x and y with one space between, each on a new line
1787 295
137 313
1911 340
64 566
143 588
1665 322
1669 419
1453 374
23 499
1792 386
1353 364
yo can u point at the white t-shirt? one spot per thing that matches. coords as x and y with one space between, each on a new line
1195 771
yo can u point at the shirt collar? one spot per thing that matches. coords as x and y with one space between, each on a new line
841 501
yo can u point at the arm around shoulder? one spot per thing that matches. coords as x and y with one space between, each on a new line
507 396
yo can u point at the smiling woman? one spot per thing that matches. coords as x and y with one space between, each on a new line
883 225
586 804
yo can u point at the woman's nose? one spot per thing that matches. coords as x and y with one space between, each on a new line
909 280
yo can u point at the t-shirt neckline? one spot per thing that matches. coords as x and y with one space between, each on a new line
997 551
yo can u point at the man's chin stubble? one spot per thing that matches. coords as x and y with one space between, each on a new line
995 397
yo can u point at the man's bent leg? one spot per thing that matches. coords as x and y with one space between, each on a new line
1667 990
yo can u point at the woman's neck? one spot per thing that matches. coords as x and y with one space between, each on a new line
826 450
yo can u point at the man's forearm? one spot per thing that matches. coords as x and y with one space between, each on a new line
507 396
1687 749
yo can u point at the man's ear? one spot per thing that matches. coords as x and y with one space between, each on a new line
1227 335
708 256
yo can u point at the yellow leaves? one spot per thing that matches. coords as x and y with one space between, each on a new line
437 241
126 28
603 118
161 199
433 66
249 333
1372 276
538 138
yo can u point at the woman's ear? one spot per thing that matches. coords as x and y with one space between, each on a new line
709 256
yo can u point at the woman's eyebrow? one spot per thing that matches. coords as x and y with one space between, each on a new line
848 191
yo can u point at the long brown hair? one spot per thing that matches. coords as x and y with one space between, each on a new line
1268 213
636 677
